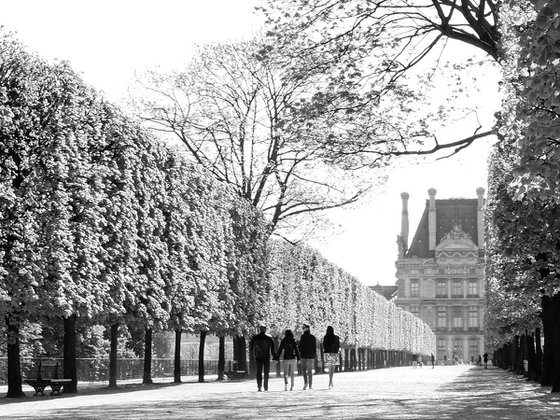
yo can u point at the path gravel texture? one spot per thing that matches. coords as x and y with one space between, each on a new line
446 392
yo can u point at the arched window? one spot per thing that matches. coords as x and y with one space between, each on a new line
474 348
442 348
458 353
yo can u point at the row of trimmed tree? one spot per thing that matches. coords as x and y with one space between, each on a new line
100 224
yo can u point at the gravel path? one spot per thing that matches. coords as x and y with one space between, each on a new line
450 392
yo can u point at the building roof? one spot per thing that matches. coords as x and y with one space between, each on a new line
388 292
450 213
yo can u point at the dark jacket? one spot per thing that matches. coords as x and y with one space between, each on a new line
290 348
262 346
331 344
308 346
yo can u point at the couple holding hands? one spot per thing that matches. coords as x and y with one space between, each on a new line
262 347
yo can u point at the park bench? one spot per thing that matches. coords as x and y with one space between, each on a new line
236 375
39 383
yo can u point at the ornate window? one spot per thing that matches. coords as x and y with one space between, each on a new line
442 347
457 288
473 316
441 291
415 310
414 288
441 321
457 317
458 348
473 288
474 348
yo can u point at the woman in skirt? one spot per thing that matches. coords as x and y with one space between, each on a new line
289 346
331 346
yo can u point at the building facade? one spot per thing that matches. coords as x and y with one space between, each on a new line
440 275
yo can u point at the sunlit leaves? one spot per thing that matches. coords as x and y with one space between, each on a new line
306 288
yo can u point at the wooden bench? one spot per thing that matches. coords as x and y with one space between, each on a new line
39 384
236 375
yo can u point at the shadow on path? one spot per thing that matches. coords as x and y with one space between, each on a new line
456 392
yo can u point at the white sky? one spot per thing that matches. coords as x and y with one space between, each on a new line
107 40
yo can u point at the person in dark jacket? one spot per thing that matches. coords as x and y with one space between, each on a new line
331 347
261 348
485 357
308 353
289 346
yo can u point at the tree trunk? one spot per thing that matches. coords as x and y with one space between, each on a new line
177 359
221 358
201 356
530 343
69 368
538 354
555 315
14 366
113 356
240 352
548 350
148 357
320 361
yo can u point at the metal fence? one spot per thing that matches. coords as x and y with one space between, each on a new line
95 370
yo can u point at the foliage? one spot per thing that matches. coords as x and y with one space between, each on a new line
306 288
102 222
250 124
376 62
523 193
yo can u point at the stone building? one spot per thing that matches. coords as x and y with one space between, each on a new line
440 275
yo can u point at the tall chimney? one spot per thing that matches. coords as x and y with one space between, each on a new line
432 219
480 218
404 220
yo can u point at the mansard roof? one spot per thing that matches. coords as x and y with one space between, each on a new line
450 213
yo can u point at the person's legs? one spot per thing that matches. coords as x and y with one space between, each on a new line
285 368
310 364
266 365
304 368
260 365
331 374
292 373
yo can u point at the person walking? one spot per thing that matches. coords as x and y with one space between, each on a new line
308 353
289 346
331 346
485 357
433 360
261 348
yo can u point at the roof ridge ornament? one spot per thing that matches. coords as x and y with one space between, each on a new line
455 233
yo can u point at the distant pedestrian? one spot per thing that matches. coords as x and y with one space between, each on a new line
261 348
331 347
485 357
289 346
445 359
420 363
479 363
308 354
433 359
414 361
